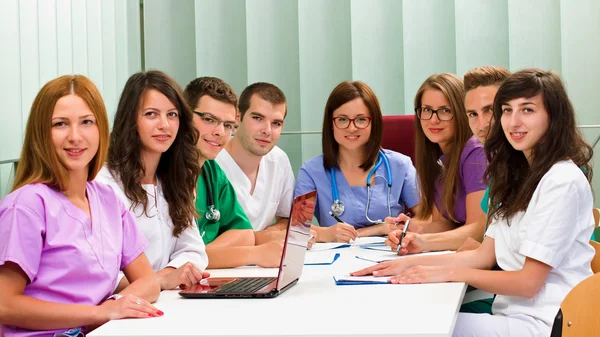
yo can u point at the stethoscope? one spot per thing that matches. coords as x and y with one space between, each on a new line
337 208
212 214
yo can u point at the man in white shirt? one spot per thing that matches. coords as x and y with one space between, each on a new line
259 171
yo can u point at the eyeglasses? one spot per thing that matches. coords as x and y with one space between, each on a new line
214 121
359 122
443 114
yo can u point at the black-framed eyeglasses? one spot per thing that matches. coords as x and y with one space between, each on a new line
361 122
426 113
214 121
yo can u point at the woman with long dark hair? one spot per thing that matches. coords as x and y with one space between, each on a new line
541 210
153 166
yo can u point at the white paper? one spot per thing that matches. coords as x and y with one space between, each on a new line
319 258
393 255
362 279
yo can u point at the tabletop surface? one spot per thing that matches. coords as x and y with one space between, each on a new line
315 306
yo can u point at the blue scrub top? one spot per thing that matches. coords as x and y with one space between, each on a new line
313 176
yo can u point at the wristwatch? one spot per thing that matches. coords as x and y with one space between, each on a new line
113 297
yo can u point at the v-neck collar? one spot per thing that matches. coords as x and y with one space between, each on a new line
91 225
245 181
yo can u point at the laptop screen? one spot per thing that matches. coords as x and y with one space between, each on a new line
296 241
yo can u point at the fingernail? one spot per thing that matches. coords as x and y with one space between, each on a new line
150 315
160 313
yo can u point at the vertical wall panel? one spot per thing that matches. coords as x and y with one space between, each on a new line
377 50
94 43
534 30
48 58
11 128
325 61
429 43
30 70
134 48
171 48
580 47
109 57
64 37
79 36
273 25
481 34
221 41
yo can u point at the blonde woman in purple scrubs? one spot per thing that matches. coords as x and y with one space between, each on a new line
64 236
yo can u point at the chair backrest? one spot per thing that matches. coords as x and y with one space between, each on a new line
580 309
399 134
596 259
596 212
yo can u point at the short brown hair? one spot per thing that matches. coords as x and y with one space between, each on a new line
484 76
267 91
213 87
342 94
39 162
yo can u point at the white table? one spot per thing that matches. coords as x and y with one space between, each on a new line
315 306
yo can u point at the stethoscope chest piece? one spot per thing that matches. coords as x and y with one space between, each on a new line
213 214
337 208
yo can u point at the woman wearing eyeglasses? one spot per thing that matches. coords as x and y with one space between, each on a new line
450 165
359 184
153 166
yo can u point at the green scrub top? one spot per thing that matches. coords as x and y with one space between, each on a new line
232 213
485 200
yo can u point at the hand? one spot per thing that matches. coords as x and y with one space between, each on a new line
469 244
424 274
386 268
182 277
313 238
128 306
411 244
398 222
340 232
269 254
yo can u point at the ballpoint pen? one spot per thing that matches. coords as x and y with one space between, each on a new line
403 235
336 217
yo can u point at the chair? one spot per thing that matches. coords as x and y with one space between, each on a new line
596 212
579 313
596 259
399 134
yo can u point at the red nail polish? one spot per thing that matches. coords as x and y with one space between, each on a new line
150 315
160 313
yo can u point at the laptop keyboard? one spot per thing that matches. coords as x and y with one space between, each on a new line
246 285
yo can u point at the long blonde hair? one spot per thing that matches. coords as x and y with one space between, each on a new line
427 153
39 162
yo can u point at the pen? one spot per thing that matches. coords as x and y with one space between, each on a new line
336 217
403 235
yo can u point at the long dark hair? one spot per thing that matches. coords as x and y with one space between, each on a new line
178 168
342 94
513 179
427 153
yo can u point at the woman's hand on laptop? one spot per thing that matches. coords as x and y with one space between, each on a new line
183 277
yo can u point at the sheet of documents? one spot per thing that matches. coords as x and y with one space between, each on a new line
393 256
320 258
356 280
369 240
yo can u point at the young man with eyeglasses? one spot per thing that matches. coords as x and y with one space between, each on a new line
224 226
260 171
